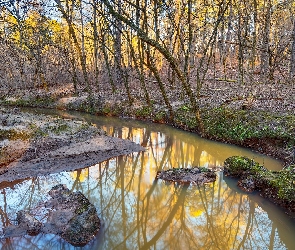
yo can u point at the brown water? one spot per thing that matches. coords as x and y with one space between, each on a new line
140 213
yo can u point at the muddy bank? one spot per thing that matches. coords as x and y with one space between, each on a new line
35 145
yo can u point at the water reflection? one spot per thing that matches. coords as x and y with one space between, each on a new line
141 213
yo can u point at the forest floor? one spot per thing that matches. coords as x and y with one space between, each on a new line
257 116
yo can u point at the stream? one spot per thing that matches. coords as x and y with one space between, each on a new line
138 212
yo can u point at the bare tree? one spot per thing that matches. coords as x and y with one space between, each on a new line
72 32
265 55
292 61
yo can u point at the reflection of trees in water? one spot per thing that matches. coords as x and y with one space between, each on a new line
228 219
232 222
163 216
139 213
3 211
25 194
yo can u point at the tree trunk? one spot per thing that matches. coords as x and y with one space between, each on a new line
265 55
292 61
76 42
106 59
189 45
118 47
95 42
240 51
139 72
254 42
228 38
151 65
156 22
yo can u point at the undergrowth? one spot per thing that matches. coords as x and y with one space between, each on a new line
240 125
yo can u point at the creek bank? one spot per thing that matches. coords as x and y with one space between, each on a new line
67 214
195 175
33 145
266 125
277 186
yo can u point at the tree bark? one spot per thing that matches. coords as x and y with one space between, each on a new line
254 42
95 42
138 71
292 61
265 55
106 59
241 49
151 65
118 47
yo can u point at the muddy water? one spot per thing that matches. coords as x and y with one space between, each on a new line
141 213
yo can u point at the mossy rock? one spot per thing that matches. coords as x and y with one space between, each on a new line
278 186
13 134
236 166
195 175
284 182
82 226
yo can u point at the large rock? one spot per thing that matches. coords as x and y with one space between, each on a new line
70 215
237 166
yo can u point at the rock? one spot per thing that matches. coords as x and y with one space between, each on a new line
237 166
196 175
28 222
69 215
82 227
247 184
72 217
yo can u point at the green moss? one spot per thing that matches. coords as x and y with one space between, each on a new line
237 165
239 125
82 208
13 134
89 105
44 101
160 117
143 112
58 128
284 182
185 108
86 107
39 133
185 118
106 110
204 170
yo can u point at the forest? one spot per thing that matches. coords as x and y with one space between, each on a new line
122 43
223 70
174 62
